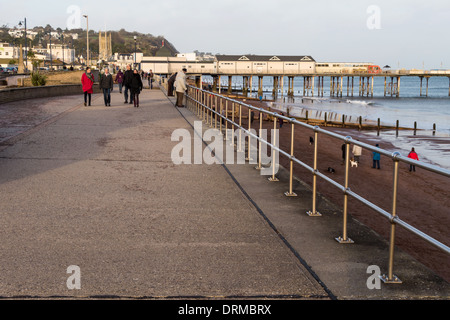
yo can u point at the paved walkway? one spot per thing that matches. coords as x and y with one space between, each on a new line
95 187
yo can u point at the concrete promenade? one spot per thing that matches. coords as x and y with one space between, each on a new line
95 187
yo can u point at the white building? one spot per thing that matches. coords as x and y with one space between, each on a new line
8 52
18 33
61 52
170 65
188 56
121 60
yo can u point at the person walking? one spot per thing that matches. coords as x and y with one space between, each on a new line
119 80
170 84
180 87
413 155
136 87
127 77
150 79
107 85
376 159
87 81
280 120
357 151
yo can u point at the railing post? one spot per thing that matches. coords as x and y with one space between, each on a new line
211 110
198 102
205 101
207 98
291 193
249 138
313 212
232 125
391 278
240 128
220 116
259 166
273 178
344 238
226 121
215 111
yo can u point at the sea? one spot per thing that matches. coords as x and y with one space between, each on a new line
410 110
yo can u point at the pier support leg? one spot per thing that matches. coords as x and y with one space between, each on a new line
260 86
348 86
275 87
304 86
291 87
230 83
360 87
371 88
215 79
245 86
353 82
421 84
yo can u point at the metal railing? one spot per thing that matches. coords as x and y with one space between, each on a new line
209 106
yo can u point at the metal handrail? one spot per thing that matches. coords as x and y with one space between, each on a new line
204 107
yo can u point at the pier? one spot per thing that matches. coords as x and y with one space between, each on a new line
341 85
354 79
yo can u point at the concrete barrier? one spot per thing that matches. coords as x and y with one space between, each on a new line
15 94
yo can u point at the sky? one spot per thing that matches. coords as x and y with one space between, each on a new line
400 33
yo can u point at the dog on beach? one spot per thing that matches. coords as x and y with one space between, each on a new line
354 163
330 169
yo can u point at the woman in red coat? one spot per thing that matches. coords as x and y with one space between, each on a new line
87 80
413 155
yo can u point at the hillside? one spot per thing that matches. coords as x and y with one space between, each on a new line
122 41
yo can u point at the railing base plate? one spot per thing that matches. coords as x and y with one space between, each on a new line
314 214
394 279
289 194
344 241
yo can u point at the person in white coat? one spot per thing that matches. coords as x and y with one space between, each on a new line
357 151
180 87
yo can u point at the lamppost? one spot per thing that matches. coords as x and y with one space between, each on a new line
61 37
51 57
26 43
135 59
87 41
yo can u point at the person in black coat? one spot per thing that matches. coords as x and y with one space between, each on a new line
127 77
136 87
107 85
170 84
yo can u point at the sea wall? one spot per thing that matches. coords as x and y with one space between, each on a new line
15 94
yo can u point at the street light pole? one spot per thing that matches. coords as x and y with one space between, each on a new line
87 37
62 48
51 57
26 43
135 59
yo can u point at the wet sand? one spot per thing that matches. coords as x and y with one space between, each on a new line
423 200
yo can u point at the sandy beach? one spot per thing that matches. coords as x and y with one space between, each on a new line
423 200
